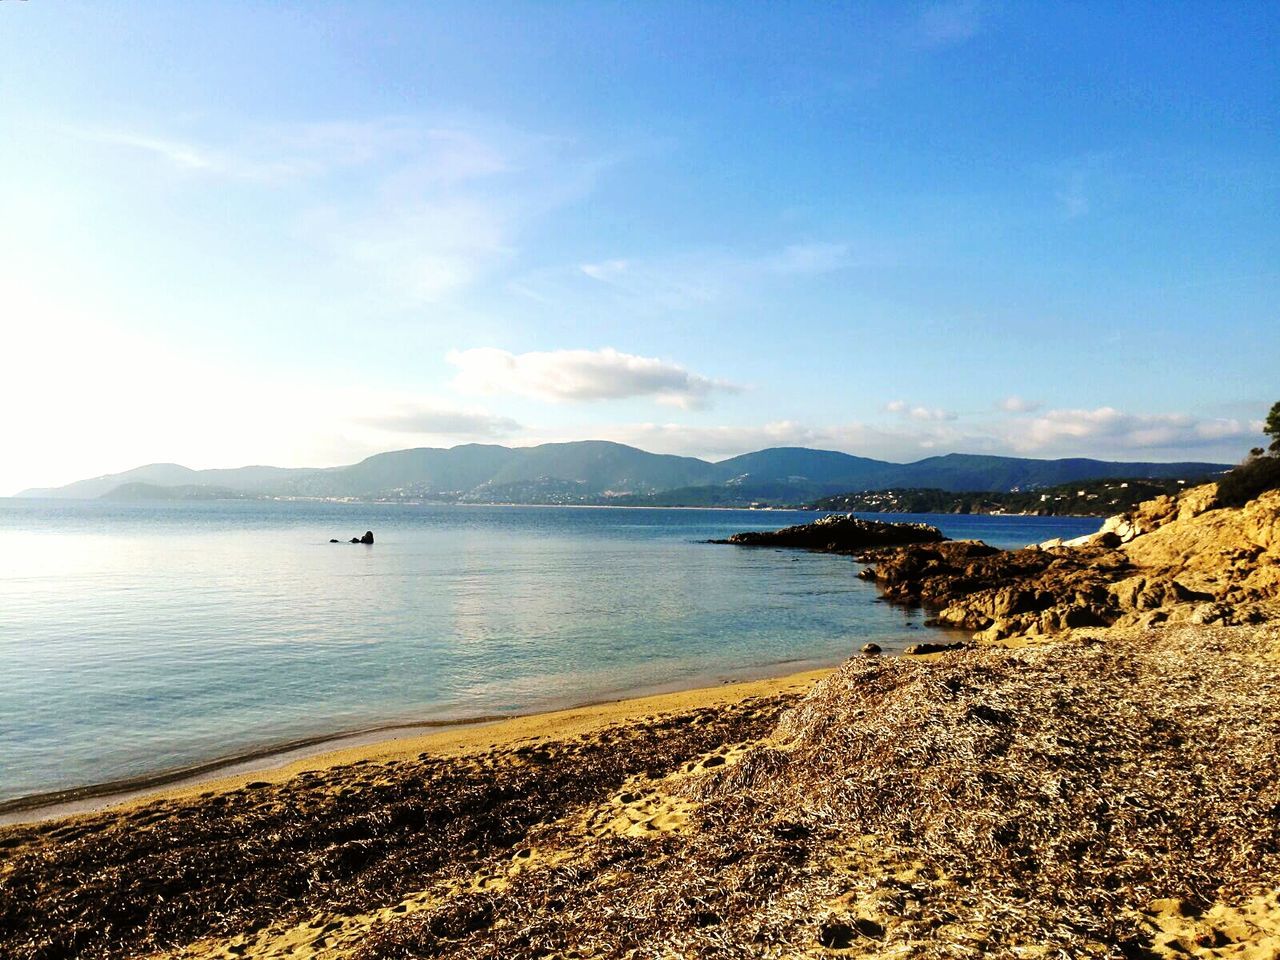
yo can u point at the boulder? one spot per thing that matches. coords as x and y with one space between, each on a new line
871 648
922 649
367 538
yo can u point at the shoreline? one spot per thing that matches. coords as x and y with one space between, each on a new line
574 506
281 761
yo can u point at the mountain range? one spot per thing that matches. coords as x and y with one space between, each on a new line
598 471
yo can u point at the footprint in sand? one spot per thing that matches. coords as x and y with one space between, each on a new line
638 812
1247 931
725 756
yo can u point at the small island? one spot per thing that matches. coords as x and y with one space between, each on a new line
839 533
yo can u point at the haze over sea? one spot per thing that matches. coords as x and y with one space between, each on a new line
138 637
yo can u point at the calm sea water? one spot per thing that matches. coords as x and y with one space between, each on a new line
136 638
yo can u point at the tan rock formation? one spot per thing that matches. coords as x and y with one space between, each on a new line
1174 559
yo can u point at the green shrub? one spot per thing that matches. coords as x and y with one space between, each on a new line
1248 480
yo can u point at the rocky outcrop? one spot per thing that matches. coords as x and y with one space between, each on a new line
1001 592
1172 559
839 533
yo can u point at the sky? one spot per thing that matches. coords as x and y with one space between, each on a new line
301 234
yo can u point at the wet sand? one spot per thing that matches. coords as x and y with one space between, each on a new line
280 761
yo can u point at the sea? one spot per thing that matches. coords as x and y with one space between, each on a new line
137 638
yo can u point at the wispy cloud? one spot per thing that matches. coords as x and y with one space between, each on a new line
606 271
946 24
690 279
426 209
919 412
444 421
1017 404
1082 182
422 151
1072 197
808 259
717 442
582 375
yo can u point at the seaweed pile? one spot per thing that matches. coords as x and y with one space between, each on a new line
988 804
338 841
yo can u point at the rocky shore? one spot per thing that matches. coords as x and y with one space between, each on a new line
1171 560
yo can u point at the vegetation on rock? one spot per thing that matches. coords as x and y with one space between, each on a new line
1259 473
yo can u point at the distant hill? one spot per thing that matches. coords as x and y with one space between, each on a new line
597 471
185 491
801 465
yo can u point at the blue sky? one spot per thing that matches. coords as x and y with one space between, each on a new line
304 233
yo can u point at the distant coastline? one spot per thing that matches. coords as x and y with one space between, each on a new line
595 472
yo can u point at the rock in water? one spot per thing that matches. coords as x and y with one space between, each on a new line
367 538
335 541
871 648
840 533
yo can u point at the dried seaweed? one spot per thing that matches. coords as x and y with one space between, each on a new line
966 808
339 841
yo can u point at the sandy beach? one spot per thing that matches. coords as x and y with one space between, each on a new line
941 806
1096 791
401 743
552 756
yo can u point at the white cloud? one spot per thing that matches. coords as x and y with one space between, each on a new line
443 421
918 412
1107 430
581 375
1017 404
